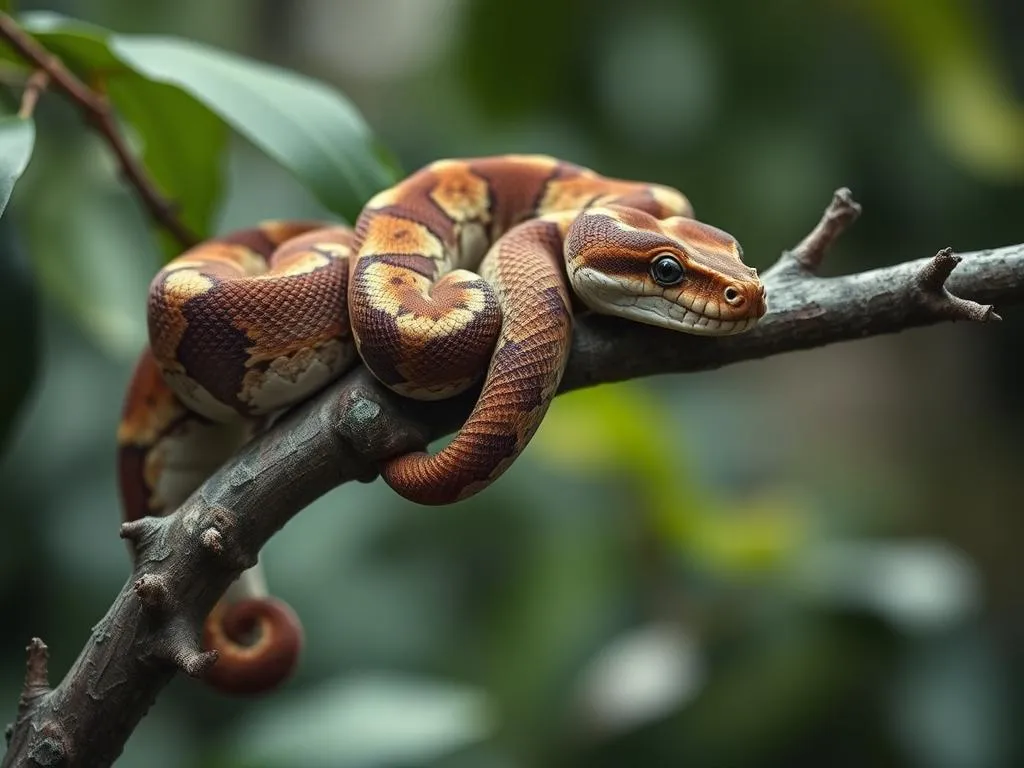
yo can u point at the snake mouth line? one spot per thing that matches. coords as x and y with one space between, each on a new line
666 309
692 322
686 318
679 318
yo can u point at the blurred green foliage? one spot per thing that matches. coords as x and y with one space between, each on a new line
17 138
812 560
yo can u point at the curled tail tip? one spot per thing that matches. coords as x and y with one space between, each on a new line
258 641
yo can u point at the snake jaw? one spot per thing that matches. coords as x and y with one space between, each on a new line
676 309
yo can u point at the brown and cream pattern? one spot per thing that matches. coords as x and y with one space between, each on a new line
463 272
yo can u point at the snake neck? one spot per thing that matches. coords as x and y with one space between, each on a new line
522 376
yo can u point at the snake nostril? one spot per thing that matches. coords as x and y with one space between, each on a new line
733 297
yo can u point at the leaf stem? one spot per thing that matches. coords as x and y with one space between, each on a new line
35 85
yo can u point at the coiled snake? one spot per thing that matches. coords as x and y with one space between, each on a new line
250 323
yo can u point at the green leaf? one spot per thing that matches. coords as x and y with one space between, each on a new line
175 94
17 138
182 142
179 99
305 125
81 46
183 147
90 253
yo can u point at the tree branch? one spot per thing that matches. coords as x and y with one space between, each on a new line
98 112
184 562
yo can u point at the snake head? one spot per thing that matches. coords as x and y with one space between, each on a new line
677 273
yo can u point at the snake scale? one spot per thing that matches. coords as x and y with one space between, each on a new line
468 269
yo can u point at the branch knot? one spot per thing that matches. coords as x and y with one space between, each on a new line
179 645
154 593
219 538
932 292
212 541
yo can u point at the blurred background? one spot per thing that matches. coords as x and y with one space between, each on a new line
813 559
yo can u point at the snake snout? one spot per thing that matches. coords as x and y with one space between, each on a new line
747 299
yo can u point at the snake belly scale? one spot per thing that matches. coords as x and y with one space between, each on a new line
467 270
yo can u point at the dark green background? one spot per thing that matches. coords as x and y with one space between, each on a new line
813 559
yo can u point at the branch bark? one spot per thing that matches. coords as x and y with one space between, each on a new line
185 561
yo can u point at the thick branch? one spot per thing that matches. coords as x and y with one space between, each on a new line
98 112
187 560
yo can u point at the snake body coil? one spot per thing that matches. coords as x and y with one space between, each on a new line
460 272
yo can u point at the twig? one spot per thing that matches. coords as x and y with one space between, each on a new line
931 281
185 561
34 87
98 112
839 215
37 682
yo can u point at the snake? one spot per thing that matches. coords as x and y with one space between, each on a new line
466 273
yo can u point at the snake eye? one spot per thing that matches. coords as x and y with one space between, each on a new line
666 270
